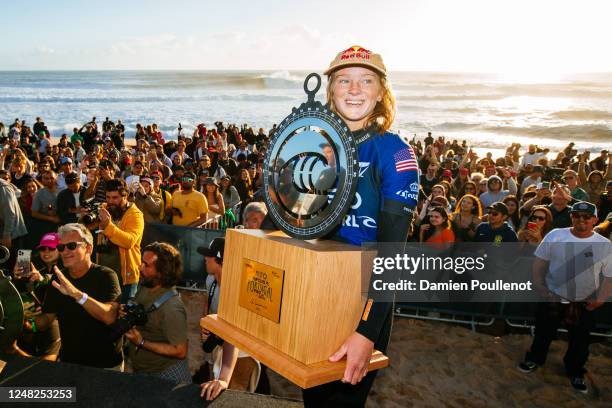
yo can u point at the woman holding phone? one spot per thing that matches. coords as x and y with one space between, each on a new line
538 225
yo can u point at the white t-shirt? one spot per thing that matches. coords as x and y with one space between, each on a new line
77 199
575 264
531 158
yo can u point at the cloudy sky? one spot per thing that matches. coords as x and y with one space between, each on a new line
537 38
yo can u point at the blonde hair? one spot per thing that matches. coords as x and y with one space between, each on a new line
384 112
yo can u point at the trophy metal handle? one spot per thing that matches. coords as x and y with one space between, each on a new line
311 94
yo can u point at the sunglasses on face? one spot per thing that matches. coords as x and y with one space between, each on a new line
71 246
494 213
537 218
582 216
46 248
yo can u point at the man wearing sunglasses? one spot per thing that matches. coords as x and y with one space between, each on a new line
85 340
496 229
189 207
570 177
567 271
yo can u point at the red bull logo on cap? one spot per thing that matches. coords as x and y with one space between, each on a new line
355 52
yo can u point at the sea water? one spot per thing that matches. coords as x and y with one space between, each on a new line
486 110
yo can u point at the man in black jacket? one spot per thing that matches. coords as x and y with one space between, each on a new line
70 200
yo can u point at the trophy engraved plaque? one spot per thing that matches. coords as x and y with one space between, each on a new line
261 289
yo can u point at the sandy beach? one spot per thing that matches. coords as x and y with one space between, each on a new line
436 364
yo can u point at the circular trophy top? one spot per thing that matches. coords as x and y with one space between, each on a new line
310 170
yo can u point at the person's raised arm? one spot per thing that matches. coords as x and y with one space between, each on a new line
104 312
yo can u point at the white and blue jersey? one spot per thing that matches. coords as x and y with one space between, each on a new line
388 180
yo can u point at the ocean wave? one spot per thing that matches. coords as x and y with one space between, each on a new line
143 99
463 110
451 97
454 126
585 114
567 132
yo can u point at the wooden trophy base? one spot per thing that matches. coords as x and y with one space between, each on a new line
303 375
290 303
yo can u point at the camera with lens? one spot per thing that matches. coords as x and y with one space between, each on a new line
92 208
135 315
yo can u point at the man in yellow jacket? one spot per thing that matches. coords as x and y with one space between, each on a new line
122 225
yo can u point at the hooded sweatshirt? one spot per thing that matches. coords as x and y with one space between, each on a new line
489 197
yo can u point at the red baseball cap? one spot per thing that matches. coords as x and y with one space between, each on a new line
49 240
447 173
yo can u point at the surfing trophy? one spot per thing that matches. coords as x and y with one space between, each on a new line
290 299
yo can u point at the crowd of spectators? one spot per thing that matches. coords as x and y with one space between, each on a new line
213 179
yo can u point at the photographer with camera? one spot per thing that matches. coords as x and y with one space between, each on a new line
71 200
85 339
155 323
122 226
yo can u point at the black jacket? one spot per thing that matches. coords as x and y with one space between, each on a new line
65 202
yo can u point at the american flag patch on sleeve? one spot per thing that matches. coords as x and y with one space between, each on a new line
404 160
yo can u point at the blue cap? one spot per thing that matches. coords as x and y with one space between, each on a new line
584 206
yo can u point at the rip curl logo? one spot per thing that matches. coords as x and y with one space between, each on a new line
311 173
355 52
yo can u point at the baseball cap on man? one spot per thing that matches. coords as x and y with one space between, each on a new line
584 206
569 172
500 207
49 240
215 249
65 160
357 56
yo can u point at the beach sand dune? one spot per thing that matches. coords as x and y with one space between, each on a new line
444 365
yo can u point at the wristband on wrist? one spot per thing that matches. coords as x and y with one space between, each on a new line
139 346
83 299
33 323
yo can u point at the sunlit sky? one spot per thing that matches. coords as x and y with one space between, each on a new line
536 39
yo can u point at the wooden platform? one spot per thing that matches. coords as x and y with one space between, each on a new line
303 375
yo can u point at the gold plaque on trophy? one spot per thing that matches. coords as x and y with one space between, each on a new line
261 289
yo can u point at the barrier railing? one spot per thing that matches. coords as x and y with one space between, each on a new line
187 240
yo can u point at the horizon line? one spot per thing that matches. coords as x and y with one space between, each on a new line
276 70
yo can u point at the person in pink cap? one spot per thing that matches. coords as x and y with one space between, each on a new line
48 253
40 343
